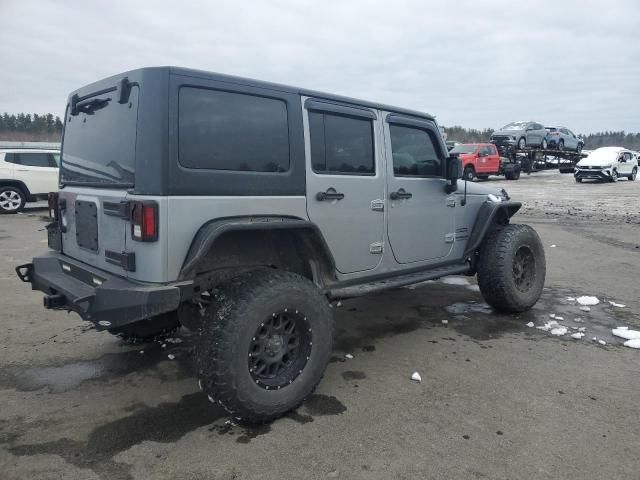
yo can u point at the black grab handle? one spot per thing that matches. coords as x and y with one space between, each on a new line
400 194
330 194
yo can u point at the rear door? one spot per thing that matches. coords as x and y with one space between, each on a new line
96 174
37 170
345 182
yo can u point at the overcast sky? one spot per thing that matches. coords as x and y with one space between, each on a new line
471 63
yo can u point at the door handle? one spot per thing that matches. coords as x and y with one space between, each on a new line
400 194
330 194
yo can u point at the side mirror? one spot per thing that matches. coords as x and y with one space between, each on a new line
453 172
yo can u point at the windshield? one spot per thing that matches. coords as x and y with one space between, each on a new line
464 148
99 142
515 126
551 129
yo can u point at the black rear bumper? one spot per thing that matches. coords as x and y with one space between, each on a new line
106 300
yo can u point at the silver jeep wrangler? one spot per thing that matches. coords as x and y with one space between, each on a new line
240 209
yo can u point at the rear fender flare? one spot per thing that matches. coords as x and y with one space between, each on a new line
211 231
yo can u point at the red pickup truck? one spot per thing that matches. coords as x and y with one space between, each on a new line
479 160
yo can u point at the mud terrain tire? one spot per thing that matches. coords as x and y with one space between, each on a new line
511 268
247 358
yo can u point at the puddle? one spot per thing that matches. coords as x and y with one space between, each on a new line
70 375
168 422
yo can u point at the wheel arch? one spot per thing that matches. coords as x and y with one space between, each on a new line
223 247
16 183
490 215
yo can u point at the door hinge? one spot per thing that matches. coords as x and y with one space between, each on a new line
377 205
449 238
376 248
451 202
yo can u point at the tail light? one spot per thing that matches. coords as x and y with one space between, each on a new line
144 221
52 200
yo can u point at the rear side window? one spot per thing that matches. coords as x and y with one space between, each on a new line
341 144
34 159
231 131
414 152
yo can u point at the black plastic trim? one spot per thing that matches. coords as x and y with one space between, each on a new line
126 260
350 110
209 232
485 219
116 209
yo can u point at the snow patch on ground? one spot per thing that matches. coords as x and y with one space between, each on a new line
588 300
415 376
626 333
559 331
635 343
614 304
530 324
577 335
585 309
455 281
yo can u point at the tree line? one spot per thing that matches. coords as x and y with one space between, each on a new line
30 127
591 140
48 128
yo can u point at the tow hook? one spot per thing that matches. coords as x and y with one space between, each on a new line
54 301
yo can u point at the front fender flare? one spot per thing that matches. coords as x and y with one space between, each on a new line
489 214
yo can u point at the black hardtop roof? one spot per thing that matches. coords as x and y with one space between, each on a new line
188 72
296 90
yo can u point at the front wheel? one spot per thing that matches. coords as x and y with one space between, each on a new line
265 345
512 268
579 148
561 145
544 144
614 175
634 174
578 180
12 200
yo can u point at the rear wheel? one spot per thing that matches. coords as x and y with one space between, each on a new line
265 344
579 180
561 145
469 174
511 268
544 144
149 329
12 199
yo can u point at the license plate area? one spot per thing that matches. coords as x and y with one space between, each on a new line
86 217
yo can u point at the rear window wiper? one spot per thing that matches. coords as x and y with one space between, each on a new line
88 104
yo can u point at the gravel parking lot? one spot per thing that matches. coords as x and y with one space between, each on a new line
497 399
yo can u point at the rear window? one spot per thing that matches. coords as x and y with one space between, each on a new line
99 142
221 130
341 145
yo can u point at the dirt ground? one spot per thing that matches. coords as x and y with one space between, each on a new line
497 400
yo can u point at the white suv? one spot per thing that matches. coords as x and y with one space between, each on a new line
26 175
607 163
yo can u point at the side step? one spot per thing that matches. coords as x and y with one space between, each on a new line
395 282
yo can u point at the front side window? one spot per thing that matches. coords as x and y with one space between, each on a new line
414 152
221 130
341 144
